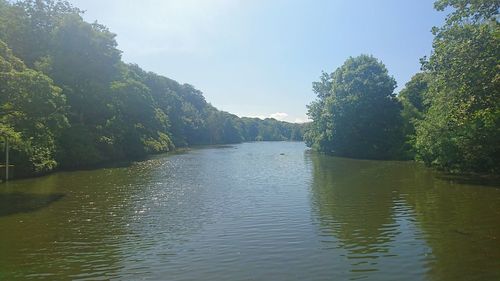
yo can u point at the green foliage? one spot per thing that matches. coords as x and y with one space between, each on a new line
84 61
269 129
356 114
460 131
137 121
31 114
451 110
413 95
77 148
469 11
415 106
114 111
27 26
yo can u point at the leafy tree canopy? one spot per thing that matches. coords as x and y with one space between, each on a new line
356 114
460 131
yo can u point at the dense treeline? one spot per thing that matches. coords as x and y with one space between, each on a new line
447 116
67 99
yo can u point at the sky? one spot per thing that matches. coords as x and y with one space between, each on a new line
258 58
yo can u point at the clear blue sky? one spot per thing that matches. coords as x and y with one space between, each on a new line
259 57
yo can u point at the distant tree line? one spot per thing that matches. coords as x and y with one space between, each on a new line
447 116
67 99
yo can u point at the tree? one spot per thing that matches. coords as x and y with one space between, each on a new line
461 129
84 61
357 113
32 114
415 106
138 125
28 26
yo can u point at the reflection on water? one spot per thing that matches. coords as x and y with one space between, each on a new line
402 215
74 237
255 211
460 223
362 212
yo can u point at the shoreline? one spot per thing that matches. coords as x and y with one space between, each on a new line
490 180
128 162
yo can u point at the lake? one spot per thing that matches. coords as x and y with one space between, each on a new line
252 211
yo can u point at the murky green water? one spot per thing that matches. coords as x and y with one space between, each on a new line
255 211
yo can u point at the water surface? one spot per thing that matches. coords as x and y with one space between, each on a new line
254 211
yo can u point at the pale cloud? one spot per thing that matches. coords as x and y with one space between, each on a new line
282 116
302 120
278 116
262 117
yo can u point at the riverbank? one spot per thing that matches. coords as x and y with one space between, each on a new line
127 162
460 178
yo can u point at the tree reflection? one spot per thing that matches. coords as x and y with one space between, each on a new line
375 210
460 222
354 201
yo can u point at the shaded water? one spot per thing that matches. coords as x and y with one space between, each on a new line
255 211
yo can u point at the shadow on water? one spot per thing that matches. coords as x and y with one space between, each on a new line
463 179
18 202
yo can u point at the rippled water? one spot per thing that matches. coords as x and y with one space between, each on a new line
255 211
